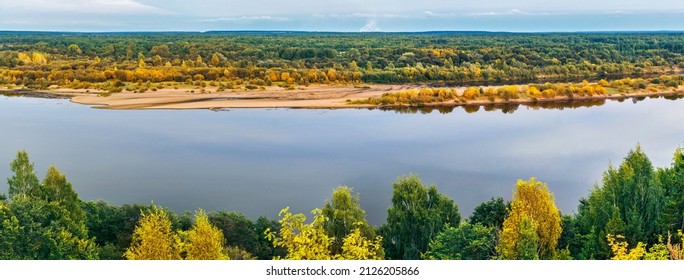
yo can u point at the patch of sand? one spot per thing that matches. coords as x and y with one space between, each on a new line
318 96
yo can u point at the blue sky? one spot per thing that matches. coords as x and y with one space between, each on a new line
341 15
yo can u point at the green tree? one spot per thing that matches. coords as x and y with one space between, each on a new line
264 249
24 181
465 242
33 229
343 215
527 247
417 214
658 252
107 224
491 213
204 241
531 200
237 229
629 202
672 179
58 189
153 238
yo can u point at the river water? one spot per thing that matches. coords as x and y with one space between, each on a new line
258 161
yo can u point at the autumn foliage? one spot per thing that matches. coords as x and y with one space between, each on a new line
533 202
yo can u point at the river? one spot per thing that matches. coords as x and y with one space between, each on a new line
258 161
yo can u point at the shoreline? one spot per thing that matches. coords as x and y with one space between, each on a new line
312 97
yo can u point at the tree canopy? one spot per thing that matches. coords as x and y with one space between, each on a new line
343 215
417 214
465 242
532 210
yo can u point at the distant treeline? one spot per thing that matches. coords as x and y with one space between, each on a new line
109 61
635 212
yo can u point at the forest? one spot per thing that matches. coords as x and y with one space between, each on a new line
636 212
138 62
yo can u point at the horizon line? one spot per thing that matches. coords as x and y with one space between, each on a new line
346 32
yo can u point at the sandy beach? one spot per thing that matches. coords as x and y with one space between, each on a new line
318 96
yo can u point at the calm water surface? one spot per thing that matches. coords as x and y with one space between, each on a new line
258 161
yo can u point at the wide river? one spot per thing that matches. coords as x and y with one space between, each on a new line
258 161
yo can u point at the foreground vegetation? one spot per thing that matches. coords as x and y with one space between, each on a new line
116 62
636 212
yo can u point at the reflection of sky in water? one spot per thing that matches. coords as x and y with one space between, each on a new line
259 161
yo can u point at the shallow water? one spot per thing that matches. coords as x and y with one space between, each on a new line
257 161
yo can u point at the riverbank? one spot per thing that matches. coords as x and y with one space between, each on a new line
312 97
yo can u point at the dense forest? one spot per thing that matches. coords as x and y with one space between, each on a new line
116 62
635 212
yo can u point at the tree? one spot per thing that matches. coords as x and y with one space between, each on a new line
491 213
465 242
10 234
58 189
676 252
658 251
310 241
527 247
24 182
237 230
417 214
264 249
153 238
629 202
302 241
43 221
672 180
471 93
343 215
107 224
204 241
355 246
34 229
620 250
74 50
531 200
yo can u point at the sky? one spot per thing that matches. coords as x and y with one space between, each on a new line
342 15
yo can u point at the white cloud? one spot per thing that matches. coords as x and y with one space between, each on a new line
83 7
371 26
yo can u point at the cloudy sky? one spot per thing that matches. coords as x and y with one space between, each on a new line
341 15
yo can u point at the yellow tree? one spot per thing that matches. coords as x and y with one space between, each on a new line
358 247
311 242
153 238
531 200
471 93
620 251
302 241
533 92
204 241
